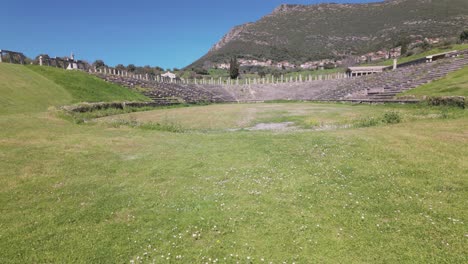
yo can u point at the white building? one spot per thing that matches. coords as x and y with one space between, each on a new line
169 75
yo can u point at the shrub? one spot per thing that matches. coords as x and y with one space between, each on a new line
464 36
454 101
367 122
391 117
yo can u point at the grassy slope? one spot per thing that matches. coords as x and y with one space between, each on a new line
454 84
86 88
23 90
34 89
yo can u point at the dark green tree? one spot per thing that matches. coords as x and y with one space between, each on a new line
131 68
233 68
45 58
404 43
464 36
99 64
120 67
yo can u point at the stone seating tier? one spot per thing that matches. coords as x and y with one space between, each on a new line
379 86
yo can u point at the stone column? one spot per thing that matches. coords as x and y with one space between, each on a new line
394 64
40 60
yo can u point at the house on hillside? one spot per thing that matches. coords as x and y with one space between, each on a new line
365 70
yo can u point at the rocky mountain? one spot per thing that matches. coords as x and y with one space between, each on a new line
300 33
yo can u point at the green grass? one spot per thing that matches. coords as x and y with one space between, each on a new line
421 55
26 89
103 193
454 84
23 91
86 88
304 115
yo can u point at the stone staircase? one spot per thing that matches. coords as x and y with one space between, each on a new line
385 86
167 93
381 87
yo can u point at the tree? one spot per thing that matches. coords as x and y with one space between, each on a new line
45 58
120 67
131 68
234 68
99 64
329 66
262 73
404 43
464 36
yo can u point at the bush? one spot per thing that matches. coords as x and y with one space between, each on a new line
454 101
464 36
367 122
391 117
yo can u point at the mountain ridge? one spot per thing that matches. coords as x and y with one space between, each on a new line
328 30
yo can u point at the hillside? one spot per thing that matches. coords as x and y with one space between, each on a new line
87 88
23 90
300 33
34 88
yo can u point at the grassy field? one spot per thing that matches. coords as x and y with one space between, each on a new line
455 84
373 192
305 116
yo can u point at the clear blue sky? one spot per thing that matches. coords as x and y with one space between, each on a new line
143 32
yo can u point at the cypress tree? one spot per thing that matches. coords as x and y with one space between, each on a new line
234 68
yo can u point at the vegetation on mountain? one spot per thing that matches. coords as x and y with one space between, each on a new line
299 33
